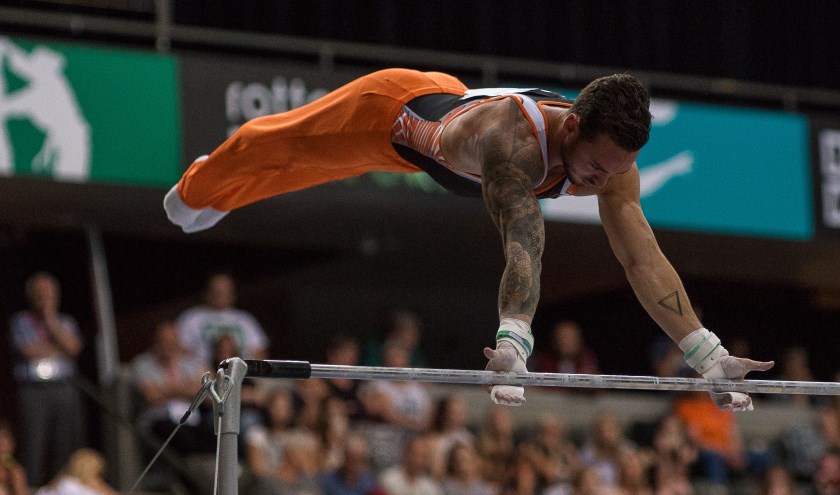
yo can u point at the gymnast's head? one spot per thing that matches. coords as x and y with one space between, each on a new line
604 129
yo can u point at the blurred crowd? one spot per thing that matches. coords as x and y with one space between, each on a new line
337 436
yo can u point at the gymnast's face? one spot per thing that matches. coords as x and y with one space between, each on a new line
591 163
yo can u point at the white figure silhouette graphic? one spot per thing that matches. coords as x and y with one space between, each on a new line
50 105
6 156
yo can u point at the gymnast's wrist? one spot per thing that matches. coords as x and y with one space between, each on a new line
703 351
518 334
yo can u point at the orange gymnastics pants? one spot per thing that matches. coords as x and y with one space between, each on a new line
343 134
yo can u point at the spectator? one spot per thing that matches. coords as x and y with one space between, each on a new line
199 327
463 473
804 444
333 430
827 475
449 427
605 446
568 352
354 476
344 350
12 475
266 443
589 482
393 411
167 379
672 457
308 397
83 475
553 456
411 477
631 478
404 329
405 404
497 444
795 367
778 481
298 468
45 346
718 439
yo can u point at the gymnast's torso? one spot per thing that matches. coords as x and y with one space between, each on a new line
418 134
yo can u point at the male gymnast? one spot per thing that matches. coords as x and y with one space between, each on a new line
509 146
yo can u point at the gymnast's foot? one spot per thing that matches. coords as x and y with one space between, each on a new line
505 357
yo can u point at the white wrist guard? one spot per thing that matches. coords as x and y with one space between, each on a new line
703 351
518 334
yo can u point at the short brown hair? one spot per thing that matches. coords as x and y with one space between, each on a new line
618 105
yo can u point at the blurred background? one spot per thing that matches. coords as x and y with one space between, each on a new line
103 103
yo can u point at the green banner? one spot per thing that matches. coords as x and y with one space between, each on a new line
76 113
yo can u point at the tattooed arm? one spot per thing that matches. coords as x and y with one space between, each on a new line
652 277
511 166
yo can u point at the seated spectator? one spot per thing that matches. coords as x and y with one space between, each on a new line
344 350
298 468
827 475
199 327
265 444
568 353
393 410
604 447
12 475
463 473
168 379
406 404
354 476
497 444
588 481
553 456
333 429
672 457
778 481
411 476
720 446
449 427
45 347
804 444
307 398
632 479
83 475
794 366
404 329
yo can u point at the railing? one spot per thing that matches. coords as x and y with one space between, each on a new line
164 35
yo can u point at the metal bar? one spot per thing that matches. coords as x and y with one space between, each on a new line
295 369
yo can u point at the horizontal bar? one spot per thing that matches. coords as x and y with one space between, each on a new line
294 369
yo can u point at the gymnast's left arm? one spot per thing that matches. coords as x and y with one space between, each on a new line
660 290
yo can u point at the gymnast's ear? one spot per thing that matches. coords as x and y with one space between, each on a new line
571 124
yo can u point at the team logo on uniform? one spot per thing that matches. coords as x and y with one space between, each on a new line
47 101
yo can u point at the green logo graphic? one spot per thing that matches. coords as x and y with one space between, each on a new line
74 113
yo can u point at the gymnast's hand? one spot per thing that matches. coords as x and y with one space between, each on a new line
734 368
705 354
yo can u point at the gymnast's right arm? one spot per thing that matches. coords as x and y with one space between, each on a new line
508 175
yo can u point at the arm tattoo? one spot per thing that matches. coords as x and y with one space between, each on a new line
507 179
672 302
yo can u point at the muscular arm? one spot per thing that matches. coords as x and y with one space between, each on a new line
511 164
652 277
